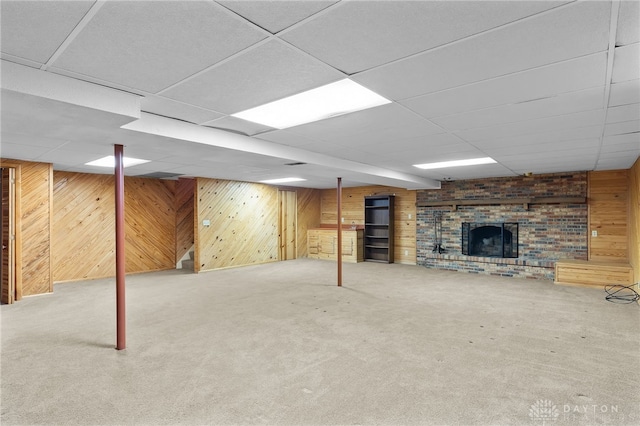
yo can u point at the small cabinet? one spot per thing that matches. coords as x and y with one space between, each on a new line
323 244
378 228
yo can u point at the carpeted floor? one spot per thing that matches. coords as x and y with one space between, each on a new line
281 344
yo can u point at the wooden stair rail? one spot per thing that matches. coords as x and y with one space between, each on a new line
492 201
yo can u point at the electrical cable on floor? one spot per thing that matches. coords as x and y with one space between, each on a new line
618 293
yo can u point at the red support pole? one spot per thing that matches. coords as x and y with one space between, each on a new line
339 191
120 257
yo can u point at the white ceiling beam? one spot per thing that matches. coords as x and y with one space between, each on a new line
31 81
162 126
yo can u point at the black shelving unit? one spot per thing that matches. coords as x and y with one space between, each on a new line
378 228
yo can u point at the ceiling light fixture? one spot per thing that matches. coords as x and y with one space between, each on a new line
456 163
282 180
331 100
110 161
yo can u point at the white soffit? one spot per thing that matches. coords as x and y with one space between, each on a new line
237 125
35 29
581 119
275 16
175 129
128 42
628 23
29 81
355 36
624 93
567 103
565 33
170 108
239 84
550 80
626 63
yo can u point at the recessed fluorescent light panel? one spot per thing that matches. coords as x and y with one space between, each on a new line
341 97
456 163
110 161
283 180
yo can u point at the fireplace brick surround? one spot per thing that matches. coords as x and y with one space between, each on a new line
547 232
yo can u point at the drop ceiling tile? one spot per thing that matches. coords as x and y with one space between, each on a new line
386 123
588 148
35 29
544 137
628 23
28 139
562 34
239 83
569 76
275 16
626 142
440 143
20 151
479 172
355 36
631 155
623 113
524 150
237 125
544 163
566 103
174 109
625 93
626 63
128 42
623 162
623 127
581 119
69 157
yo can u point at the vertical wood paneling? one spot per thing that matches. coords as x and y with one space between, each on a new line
8 236
33 268
287 212
309 207
608 215
243 226
185 190
84 228
634 220
353 213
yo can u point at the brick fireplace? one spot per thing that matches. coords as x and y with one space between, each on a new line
550 211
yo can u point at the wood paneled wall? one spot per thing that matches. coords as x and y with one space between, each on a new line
608 195
34 206
309 207
634 220
243 226
185 190
84 228
353 213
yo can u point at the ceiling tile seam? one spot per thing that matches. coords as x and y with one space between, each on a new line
151 95
467 38
310 18
505 75
20 60
52 150
97 81
217 64
613 29
93 10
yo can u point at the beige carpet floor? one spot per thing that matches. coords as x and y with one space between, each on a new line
281 344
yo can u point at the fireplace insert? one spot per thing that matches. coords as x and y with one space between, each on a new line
490 239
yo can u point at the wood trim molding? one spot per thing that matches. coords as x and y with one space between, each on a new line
498 201
18 226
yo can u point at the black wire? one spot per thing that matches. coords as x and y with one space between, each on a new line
628 295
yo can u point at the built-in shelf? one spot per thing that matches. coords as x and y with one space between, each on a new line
497 201
378 228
